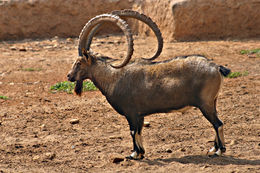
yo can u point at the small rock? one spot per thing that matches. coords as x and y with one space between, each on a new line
115 137
22 49
69 40
13 48
55 37
169 151
146 124
55 45
245 93
50 156
117 160
204 167
43 127
18 146
84 144
251 56
183 150
233 142
48 47
74 121
35 158
46 100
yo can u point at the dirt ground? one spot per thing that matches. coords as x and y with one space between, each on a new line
36 134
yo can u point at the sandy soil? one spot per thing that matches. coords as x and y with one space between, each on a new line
36 134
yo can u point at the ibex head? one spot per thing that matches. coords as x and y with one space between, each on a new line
81 68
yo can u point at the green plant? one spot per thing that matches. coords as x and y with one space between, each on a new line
237 74
31 69
89 86
68 87
252 51
4 97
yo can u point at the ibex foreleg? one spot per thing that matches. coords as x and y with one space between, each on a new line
136 125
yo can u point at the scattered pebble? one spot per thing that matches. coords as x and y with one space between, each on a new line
18 146
13 48
251 56
43 127
69 40
74 121
50 156
48 47
183 150
204 167
146 124
233 142
117 160
16 48
115 137
169 151
35 158
22 49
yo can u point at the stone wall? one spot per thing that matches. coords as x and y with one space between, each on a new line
48 18
177 19
203 19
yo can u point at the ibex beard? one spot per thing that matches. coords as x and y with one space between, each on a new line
78 87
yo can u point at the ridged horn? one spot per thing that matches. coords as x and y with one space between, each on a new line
134 14
84 35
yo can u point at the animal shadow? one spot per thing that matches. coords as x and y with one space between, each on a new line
202 159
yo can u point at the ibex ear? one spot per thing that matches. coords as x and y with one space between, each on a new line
87 55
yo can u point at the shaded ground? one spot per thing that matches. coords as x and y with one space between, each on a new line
36 134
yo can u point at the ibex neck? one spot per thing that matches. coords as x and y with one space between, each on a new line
104 77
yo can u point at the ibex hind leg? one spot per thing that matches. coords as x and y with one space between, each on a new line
210 114
136 125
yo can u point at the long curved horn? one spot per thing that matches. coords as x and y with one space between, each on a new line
84 35
134 14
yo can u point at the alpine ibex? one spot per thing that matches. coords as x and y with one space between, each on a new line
145 87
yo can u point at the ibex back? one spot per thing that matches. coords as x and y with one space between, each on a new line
144 87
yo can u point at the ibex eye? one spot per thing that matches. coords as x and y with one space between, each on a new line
78 63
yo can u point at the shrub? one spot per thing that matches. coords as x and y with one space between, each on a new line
3 97
68 87
252 51
237 74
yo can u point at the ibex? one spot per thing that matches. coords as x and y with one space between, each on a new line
145 87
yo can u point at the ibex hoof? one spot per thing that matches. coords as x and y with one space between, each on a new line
223 149
212 151
215 154
135 156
